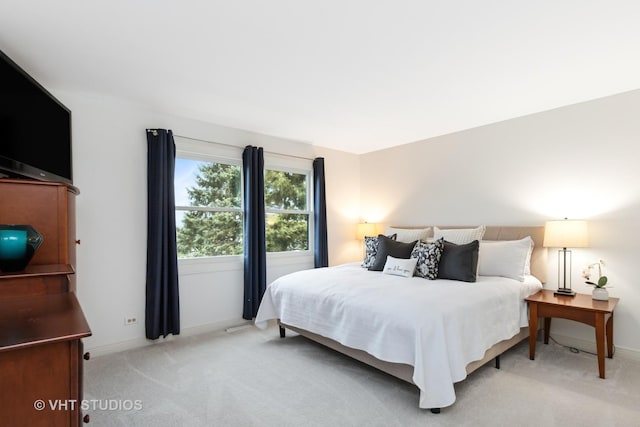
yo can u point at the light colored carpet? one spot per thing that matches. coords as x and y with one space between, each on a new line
254 378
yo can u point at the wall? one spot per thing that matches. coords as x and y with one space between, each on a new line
578 162
109 155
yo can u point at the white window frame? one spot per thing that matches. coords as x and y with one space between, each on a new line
222 153
309 211
205 152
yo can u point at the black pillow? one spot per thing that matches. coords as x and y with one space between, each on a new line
387 246
459 262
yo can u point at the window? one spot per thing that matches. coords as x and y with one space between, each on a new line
208 208
208 190
286 199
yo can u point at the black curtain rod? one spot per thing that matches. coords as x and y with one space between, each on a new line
241 148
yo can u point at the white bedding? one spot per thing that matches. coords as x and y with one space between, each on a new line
436 326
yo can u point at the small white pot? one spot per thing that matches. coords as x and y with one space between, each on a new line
600 294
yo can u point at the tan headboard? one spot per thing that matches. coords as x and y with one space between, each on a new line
539 255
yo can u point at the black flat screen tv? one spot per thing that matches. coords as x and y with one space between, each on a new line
35 128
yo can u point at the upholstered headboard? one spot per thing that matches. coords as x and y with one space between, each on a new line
539 255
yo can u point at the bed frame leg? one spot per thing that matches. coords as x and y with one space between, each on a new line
435 410
497 362
282 331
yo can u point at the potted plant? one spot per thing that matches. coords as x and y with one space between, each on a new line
599 290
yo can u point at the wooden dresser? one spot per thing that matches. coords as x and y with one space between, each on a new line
41 321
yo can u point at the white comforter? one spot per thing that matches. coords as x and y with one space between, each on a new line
436 326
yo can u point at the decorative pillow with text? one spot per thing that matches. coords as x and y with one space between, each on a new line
399 266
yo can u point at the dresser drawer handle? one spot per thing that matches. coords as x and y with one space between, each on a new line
86 356
86 419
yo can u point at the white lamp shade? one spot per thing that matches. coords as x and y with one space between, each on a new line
366 229
566 234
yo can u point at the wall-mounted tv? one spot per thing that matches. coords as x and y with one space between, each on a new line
35 128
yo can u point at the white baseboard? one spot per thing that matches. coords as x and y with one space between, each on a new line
221 327
590 346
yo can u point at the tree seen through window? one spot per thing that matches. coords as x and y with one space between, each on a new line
209 221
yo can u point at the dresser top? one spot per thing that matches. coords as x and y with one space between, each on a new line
33 320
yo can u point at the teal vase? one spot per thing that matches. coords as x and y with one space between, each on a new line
18 244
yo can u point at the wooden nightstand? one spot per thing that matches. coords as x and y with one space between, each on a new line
581 308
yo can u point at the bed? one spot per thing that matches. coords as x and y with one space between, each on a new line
431 333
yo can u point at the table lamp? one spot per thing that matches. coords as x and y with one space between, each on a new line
565 234
366 229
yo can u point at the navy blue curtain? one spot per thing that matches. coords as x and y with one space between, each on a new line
321 248
162 310
255 245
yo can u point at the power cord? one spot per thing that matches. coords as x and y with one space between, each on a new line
577 350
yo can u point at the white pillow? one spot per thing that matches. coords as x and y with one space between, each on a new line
399 266
408 235
505 258
459 236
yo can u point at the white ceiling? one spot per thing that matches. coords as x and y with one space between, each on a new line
355 75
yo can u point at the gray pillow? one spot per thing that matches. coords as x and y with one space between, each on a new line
459 262
387 246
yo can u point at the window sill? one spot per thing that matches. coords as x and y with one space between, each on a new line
188 266
289 255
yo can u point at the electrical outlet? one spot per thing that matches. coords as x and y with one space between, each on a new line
130 321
